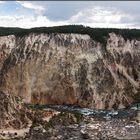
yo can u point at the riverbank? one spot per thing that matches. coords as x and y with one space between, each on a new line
87 128
68 123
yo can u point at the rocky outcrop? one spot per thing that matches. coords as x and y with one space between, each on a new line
67 126
12 113
71 69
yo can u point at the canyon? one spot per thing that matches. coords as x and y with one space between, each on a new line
71 69
88 79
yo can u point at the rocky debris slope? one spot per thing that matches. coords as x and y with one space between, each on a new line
17 120
50 124
71 69
71 126
12 113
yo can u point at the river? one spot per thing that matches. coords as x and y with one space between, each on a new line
99 113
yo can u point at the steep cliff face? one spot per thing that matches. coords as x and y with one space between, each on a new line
71 69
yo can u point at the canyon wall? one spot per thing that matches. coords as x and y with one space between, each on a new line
71 69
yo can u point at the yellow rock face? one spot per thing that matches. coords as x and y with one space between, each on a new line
71 69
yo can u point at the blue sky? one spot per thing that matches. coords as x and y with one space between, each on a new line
27 14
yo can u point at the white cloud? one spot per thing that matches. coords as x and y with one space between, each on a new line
28 21
100 15
103 17
93 17
38 21
31 5
2 2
